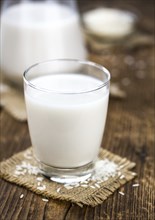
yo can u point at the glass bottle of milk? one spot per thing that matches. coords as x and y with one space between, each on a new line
34 31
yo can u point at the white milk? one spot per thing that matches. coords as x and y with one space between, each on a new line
66 129
33 32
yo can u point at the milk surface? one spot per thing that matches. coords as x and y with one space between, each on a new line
66 129
33 32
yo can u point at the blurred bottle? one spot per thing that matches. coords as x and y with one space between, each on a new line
33 31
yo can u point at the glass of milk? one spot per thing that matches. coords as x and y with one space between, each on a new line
66 103
36 30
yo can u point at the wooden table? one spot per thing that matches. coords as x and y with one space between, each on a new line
129 133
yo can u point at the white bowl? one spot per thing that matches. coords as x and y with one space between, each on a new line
109 23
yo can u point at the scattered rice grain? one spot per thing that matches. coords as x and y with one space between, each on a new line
76 185
119 173
58 190
106 178
69 187
40 179
99 182
135 185
85 181
43 187
84 185
45 200
121 166
93 187
122 177
21 196
97 185
122 193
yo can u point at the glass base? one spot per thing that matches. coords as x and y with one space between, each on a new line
67 175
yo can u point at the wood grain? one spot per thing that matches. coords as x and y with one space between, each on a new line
129 133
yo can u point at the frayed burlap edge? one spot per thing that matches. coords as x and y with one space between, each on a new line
80 196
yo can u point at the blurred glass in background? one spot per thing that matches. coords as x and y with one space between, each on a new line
33 31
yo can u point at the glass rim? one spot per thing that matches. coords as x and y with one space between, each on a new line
85 62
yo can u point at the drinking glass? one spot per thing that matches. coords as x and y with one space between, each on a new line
67 102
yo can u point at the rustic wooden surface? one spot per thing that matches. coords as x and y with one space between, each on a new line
129 133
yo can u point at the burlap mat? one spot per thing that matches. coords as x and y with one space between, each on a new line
80 195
